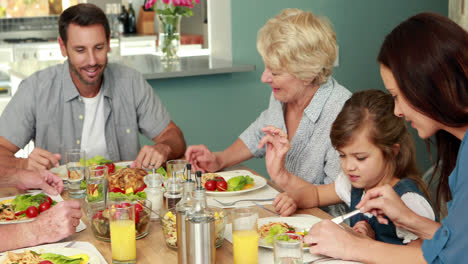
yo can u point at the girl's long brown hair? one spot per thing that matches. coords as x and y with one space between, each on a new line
428 56
373 110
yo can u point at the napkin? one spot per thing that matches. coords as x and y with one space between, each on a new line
262 193
265 255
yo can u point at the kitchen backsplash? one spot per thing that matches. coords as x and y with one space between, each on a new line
29 23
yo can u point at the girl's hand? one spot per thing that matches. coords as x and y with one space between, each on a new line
284 204
364 228
277 144
388 204
328 238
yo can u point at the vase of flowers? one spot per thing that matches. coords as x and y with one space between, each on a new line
169 13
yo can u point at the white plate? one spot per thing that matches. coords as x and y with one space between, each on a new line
24 220
299 223
93 259
259 182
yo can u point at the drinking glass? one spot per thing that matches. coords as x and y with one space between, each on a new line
177 166
96 185
244 235
75 161
122 232
288 248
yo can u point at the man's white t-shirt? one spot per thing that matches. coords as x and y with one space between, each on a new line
93 139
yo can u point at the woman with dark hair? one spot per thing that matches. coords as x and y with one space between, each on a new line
424 65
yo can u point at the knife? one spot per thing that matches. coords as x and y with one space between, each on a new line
266 209
338 220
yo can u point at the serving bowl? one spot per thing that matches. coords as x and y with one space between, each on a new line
99 220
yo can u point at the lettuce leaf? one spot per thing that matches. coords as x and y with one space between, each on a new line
128 196
276 229
238 182
23 201
60 259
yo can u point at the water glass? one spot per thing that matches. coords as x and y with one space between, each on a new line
122 232
177 167
76 163
96 185
288 248
245 235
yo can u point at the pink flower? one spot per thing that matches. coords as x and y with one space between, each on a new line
150 3
197 1
176 2
166 1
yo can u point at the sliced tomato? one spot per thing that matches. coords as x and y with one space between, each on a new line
140 189
116 190
49 200
46 262
110 167
20 213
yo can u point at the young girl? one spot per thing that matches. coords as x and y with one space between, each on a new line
375 149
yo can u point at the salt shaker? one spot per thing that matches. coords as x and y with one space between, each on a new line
182 208
200 229
154 192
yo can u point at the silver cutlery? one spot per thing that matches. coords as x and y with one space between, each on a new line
69 245
264 208
338 220
243 200
143 204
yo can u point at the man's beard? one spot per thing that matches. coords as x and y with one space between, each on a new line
82 79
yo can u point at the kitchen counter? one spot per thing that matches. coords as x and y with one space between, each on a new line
149 65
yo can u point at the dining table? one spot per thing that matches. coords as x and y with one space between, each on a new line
152 248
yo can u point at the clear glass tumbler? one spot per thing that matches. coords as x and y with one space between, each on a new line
76 163
245 235
288 248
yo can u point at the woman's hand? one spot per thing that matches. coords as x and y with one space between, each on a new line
202 159
284 204
328 238
277 144
388 204
364 228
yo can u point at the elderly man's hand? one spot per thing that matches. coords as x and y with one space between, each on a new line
57 223
41 159
151 156
45 180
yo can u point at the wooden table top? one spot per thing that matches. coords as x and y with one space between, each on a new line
152 248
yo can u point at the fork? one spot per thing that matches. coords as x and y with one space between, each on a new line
243 200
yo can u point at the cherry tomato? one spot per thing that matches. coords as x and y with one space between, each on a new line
124 205
99 173
221 186
210 185
138 208
32 211
110 167
44 206
137 218
49 200
219 178
98 215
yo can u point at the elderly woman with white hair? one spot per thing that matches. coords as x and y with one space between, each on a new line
298 49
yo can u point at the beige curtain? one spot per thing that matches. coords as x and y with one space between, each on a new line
458 12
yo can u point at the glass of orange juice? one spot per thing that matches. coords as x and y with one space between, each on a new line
244 235
122 232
